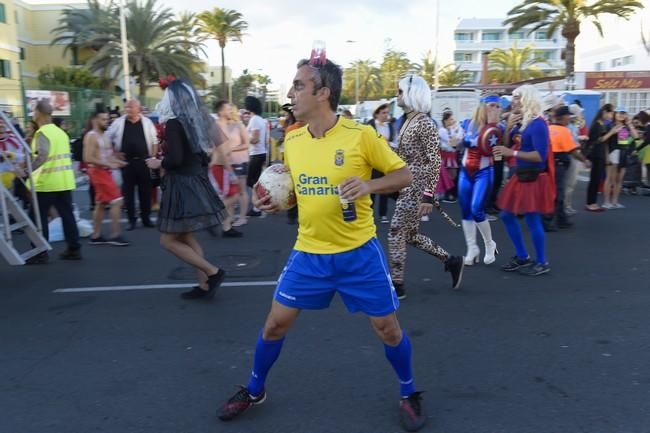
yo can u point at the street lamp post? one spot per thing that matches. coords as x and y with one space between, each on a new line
436 78
125 52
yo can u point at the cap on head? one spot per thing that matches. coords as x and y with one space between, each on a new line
620 109
576 109
562 111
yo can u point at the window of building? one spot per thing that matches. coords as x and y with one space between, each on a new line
600 66
517 36
545 54
462 57
491 36
541 36
628 60
463 36
3 16
617 62
22 53
5 68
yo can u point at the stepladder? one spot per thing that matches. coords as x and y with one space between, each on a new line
15 219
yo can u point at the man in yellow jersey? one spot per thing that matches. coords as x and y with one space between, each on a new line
337 250
54 180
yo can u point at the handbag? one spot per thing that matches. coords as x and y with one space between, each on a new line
528 174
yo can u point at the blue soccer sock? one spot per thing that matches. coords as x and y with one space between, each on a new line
400 358
534 222
514 231
266 353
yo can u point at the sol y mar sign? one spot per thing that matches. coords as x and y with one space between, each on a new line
617 80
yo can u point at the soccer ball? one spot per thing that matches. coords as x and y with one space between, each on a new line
276 182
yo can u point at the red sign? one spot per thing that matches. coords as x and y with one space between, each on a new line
617 80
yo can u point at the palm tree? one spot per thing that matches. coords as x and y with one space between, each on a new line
566 15
428 68
369 78
188 27
645 40
394 66
156 47
78 28
224 25
514 64
452 76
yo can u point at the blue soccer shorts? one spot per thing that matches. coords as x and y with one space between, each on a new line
360 276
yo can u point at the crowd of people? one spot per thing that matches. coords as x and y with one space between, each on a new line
197 168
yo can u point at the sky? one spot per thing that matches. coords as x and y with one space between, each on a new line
282 31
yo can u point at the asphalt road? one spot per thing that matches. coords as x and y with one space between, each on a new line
567 352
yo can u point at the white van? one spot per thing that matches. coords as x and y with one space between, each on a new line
461 102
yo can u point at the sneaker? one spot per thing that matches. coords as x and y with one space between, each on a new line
411 412
594 209
69 254
100 240
618 206
455 265
118 241
490 217
565 225
449 200
399 291
239 403
254 213
214 281
534 269
549 227
384 220
425 218
570 211
607 206
232 233
195 293
240 222
516 263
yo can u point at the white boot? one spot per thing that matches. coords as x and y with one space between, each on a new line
490 246
469 228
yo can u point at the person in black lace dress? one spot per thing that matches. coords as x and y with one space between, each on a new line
189 203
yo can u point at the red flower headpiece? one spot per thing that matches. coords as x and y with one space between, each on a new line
165 82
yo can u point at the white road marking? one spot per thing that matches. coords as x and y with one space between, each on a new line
158 286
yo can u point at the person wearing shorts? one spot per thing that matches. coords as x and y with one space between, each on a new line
226 184
98 154
330 161
237 151
258 134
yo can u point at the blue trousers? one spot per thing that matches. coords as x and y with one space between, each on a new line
474 192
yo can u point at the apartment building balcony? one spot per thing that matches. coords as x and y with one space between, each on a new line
479 45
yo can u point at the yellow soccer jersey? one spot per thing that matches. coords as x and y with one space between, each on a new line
318 166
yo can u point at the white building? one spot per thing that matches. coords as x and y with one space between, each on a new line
213 76
475 36
616 64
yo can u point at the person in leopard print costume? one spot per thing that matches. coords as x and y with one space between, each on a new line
419 147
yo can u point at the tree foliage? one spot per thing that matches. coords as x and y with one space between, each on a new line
567 16
224 25
50 77
514 64
157 44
